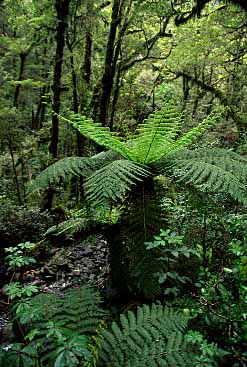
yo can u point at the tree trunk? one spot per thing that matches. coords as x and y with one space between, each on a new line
115 98
141 220
62 8
87 58
18 191
109 70
41 105
23 56
86 74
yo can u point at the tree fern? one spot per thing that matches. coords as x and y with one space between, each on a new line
158 148
100 135
214 170
114 180
152 337
156 134
83 166
108 178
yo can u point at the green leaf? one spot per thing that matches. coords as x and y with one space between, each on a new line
114 180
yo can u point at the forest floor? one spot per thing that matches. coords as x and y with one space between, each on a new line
59 268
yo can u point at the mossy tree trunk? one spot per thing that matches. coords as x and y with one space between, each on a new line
62 9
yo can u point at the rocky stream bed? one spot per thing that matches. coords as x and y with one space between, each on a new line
81 262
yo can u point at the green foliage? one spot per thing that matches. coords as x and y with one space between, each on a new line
16 290
84 218
101 135
155 136
211 170
60 327
159 135
156 144
19 355
169 250
20 224
68 330
152 337
79 309
71 352
198 65
157 148
221 302
209 353
18 259
77 166
18 256
114 180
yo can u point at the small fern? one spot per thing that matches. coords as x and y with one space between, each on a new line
72 316
153 337
79 220
78 307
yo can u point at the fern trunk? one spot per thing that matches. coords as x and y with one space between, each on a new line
132 267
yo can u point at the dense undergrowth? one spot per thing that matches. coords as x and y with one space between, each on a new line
176 229
198 318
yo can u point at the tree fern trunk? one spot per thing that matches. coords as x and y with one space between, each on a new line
141 220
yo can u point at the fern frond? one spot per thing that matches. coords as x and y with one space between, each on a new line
112 181
214 170
79 221
79 166
193 134
80 309
155 135
76 311
150 338
100 135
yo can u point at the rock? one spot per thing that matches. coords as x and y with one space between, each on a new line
80 262
87 251
76 272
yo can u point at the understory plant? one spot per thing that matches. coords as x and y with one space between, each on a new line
127 174
217 301
19 259
72 330
56 330
170 250
220 302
